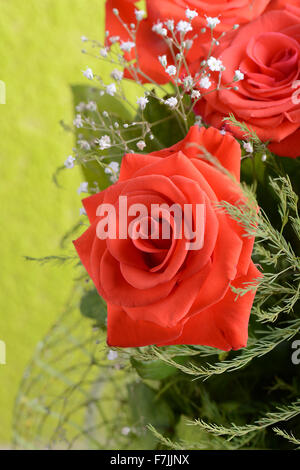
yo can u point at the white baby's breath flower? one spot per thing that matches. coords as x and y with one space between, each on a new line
88 73
212 22
127 46
104 52
188 44
84 39
139 14
84 144
215 65
104 142
114 39
78 122
69 163
198 121
91 106
158 28
222 132
184 27
125 431
205 83
117 75
163 60
111 89
112 355
142 102
171 70
195 94
83 188
170 25
238 75
112 167
80 107
112 170
171 102
141 145
188 82
82 211
191 14
248 147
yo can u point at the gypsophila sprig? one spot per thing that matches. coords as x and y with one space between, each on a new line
69 163
124 58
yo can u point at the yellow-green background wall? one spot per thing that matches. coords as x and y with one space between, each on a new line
39 58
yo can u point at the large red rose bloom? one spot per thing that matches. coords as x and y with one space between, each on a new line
267 51
158 291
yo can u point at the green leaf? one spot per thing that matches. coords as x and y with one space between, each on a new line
147 409
156 369
93 306
168 132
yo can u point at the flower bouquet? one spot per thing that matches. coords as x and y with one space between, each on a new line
189 274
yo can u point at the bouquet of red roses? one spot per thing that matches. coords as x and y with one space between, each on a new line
190 259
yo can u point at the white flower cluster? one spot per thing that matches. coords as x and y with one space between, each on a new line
112 169
78 122
117 75
69 163
215 65
191 14
142 102
139 14
159 29
83 188
212 22
171 70
238 76
111 89
127 46
205 83
88 73
112 355
104 142
248 147
171 102
182 26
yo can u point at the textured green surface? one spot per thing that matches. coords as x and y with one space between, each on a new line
39 58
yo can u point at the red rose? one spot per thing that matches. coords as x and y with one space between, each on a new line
157 290
267 51
150 45
290 5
